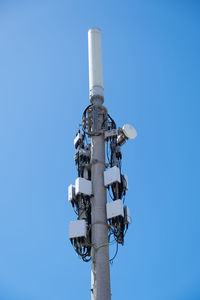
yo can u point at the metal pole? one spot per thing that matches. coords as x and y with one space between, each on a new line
100 274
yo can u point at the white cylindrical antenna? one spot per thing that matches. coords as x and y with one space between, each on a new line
95 66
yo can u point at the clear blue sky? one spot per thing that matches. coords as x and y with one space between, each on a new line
151 62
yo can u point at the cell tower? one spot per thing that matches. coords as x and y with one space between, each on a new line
99 223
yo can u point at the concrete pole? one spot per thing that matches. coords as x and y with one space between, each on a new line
100 274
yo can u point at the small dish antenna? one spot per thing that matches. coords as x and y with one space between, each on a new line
125 133
129 131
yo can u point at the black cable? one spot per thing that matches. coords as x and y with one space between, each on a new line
83 256
86 259
111 260
107 151
110 193
113 122
84 113
76 212
78 166
123 198
104 120
108 154
125 230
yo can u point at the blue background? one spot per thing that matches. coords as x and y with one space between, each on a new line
151 79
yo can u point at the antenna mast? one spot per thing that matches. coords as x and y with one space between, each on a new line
99 223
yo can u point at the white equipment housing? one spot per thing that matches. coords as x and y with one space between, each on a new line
83 186
77 229
78 139
127 218
114 209
112 175
71 192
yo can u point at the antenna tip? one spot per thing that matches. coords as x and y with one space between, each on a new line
94 29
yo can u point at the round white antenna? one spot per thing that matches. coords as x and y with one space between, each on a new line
129 131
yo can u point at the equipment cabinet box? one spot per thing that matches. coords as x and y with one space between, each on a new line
83 186
77 229
127 218
114 209
71 192
112 175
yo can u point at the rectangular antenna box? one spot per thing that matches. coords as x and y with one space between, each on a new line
83 186
127 217
77 229
112 175
114 209
71 192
